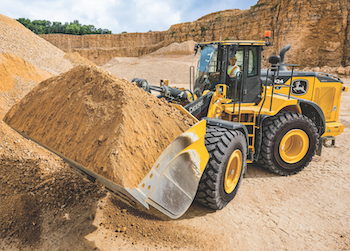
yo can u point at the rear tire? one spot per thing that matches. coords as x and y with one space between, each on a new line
289 142
224 172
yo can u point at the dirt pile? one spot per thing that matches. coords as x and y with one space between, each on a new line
185 48
102 122
18 40
13 67
76 59
154 68
171 62
26 60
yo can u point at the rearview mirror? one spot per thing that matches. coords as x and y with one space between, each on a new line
274 59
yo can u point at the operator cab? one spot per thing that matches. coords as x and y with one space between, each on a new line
213 64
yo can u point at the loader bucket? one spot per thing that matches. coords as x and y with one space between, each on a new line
171 184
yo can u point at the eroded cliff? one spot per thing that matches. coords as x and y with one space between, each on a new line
318 31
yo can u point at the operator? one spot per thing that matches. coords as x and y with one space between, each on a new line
233 69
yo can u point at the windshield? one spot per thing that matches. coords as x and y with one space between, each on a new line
207 60
208 68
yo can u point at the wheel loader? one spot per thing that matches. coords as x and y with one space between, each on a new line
280 118
268 117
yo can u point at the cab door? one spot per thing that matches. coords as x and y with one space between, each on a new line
251 74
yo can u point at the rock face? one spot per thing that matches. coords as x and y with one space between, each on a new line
102 48
318 31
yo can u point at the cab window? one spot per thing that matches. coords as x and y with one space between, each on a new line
253 62
239 55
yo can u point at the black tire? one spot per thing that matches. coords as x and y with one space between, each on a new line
221 143
275 130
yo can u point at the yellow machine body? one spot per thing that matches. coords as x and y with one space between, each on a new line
326 94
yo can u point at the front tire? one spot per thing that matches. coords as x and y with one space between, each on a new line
224 172
289 143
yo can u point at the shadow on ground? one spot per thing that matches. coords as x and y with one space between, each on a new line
45 212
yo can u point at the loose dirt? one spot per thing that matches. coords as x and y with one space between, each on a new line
102 122
18 40
12 67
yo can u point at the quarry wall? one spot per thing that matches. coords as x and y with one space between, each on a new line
318 31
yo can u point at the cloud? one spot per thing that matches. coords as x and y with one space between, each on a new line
119 15
145 15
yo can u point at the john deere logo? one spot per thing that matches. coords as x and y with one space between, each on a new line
299 87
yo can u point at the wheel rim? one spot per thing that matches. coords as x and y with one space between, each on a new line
233 171
294 146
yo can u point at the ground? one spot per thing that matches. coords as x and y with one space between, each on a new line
45 206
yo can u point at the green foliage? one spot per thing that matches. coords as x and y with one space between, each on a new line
74 28
227 38
203 29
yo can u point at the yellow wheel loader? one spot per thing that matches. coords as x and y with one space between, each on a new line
269 117
289 115
284 117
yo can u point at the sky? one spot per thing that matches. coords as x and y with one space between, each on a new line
119 15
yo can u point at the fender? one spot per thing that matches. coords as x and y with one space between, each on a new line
309 108
229 125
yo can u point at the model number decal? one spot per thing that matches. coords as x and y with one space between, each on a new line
196 106
279 81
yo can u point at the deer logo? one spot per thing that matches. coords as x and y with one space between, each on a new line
299 87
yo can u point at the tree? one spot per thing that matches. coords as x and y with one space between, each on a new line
57 27
74 28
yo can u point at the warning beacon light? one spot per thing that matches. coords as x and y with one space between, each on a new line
267 34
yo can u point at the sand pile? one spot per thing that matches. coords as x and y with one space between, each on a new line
185 48
76 59
104 123
18 40
13 68
26 60
174 68
172 62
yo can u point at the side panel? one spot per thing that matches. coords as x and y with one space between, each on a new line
302 87
326 94
328 98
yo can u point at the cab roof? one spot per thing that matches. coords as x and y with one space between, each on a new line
238 42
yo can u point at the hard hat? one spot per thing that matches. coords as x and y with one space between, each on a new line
234 57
